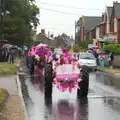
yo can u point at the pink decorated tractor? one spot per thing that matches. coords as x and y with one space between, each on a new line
69 75
65 72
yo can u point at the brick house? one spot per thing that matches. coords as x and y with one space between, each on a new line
109 28
108 17
102 30
115 22
85 27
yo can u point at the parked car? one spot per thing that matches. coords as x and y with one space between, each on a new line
88 60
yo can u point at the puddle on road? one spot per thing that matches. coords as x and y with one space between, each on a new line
65 106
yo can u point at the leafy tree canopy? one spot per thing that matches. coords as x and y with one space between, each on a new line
21 21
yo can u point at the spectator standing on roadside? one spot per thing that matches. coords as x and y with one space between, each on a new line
78 55
11 57
111 59
96 56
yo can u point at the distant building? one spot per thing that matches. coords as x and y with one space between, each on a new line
64 41
43 37
59 41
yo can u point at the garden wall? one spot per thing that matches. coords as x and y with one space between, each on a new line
116 61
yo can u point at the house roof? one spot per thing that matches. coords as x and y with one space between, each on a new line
109 11
117 10
50 38
91 22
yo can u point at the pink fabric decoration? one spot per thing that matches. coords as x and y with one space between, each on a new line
62 86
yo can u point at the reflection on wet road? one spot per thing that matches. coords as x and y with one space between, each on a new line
103 102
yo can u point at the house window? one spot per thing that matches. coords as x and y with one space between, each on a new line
115 25
97 32
108 27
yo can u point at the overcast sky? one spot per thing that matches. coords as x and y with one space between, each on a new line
58 23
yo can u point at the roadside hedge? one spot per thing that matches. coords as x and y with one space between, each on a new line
115 48
3 97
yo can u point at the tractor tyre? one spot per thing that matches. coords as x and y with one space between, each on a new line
48 79
84 83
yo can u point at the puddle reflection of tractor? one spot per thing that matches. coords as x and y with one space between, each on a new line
65 72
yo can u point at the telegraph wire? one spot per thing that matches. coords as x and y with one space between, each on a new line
59 11
67 6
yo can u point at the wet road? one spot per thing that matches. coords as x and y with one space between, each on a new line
103 102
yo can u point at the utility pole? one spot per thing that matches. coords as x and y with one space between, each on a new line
1 19
75 32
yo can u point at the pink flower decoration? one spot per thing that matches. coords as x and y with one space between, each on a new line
78 80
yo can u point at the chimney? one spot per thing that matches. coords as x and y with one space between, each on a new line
103 15
43 31
115 2
51 35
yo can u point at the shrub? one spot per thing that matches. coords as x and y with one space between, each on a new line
83 45
76 48
115 48
3 97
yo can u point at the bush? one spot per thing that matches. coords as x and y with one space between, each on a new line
115 48
83 45
3 97
76 48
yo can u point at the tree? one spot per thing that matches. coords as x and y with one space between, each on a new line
83 45
65 36
21 22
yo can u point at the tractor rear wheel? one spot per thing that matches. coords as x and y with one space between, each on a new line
84 84
48 79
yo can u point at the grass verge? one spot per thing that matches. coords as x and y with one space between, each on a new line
7 69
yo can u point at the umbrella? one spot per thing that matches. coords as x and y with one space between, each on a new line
102 52
3 41
108 51
8 46
95 47
41 45
42 49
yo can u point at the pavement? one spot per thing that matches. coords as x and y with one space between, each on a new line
9 83
14 106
